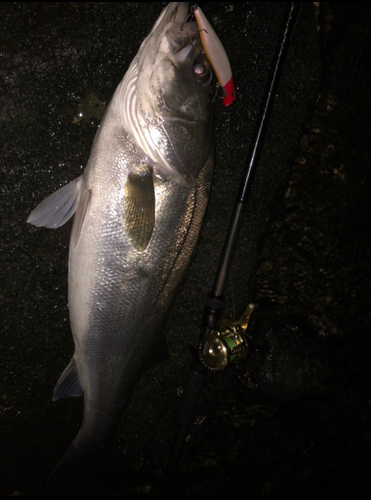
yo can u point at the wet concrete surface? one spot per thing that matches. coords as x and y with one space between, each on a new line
295 419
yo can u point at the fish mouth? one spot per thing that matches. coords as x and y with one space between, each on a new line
177 12
170 35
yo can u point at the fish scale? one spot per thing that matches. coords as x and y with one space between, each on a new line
139 208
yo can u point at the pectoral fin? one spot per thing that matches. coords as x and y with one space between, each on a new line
68 383
139 208
59 207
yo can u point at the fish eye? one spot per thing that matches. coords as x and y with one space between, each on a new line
202 72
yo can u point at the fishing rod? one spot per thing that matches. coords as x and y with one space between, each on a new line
221 346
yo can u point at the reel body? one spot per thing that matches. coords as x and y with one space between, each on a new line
227 345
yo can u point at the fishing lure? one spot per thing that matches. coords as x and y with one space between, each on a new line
217 56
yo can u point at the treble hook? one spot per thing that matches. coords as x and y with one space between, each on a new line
216 94
189 16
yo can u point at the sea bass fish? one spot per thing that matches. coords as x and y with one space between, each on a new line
138 211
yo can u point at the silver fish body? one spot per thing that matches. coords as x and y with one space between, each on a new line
139 210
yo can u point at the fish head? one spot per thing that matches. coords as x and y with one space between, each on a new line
168 110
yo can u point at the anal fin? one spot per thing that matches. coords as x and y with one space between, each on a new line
68 383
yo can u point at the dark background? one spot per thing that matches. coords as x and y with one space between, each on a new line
295 419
